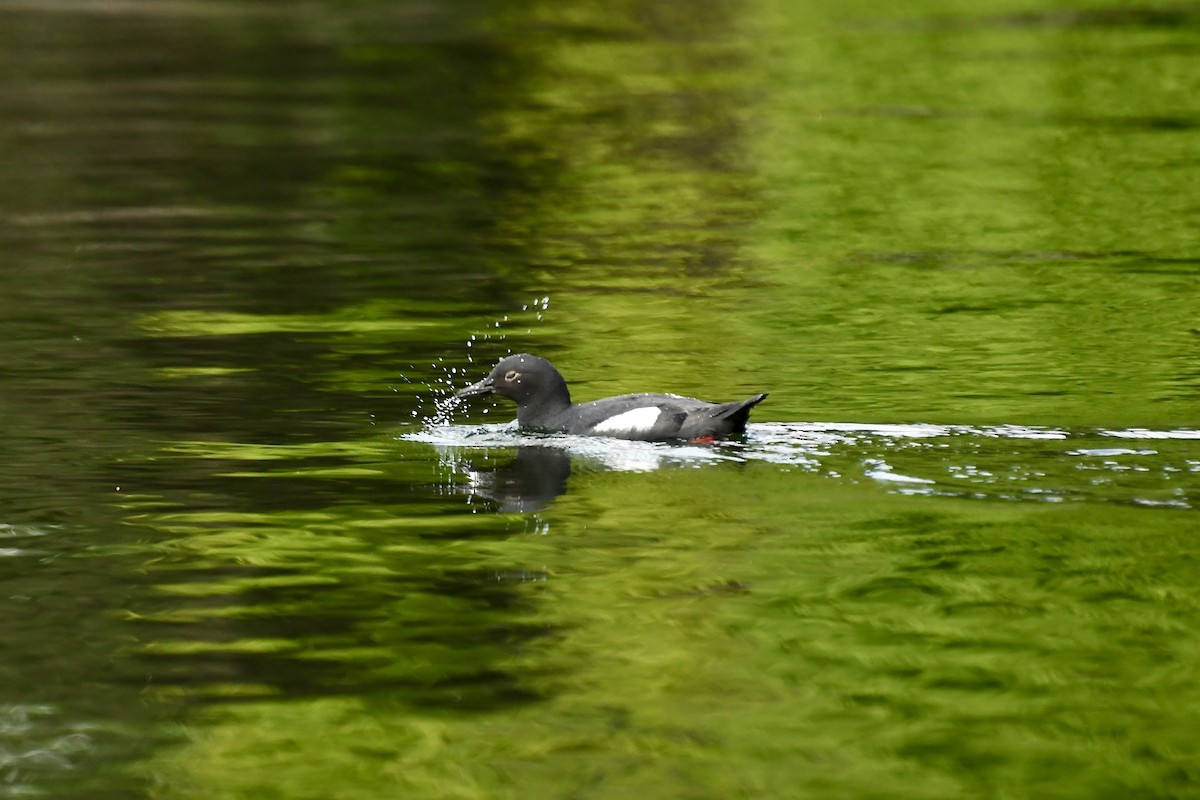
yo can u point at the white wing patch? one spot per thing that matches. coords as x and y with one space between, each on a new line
636 420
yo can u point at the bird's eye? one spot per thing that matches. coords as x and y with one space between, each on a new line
511 376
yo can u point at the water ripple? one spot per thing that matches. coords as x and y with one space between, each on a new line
1006 462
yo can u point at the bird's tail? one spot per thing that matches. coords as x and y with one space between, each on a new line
738 412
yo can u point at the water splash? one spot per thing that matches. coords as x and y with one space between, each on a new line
449 377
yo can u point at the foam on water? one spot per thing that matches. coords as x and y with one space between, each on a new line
1007 462
620 455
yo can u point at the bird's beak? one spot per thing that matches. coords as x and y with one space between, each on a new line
482 387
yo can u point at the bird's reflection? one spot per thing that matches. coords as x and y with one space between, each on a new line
538 472
529 482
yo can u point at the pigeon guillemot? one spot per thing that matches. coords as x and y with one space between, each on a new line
544 404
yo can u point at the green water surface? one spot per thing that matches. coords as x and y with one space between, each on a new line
248 549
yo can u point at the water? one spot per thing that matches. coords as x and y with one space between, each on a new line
250 549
